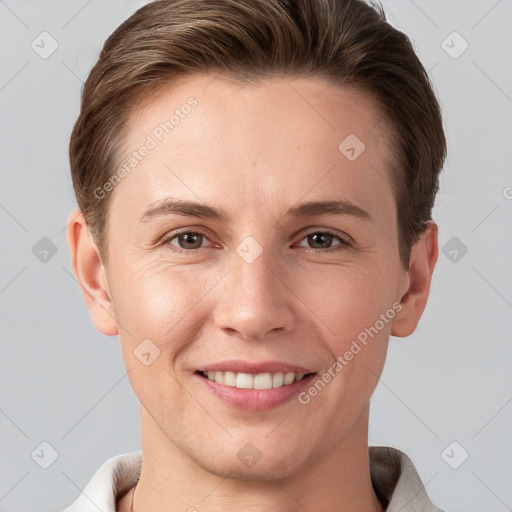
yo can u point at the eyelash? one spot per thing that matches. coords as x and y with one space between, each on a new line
167 239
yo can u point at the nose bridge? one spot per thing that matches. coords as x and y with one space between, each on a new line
255 269
254 300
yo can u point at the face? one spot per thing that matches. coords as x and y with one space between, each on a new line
251 280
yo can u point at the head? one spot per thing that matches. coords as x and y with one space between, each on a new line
256 111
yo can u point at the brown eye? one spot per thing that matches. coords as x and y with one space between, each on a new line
319 240
187 240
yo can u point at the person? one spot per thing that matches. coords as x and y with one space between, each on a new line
255 182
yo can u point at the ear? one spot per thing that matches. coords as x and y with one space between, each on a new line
421 265
91 274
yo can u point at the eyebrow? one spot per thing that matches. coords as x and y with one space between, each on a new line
171 206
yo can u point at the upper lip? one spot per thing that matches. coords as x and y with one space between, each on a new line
239 366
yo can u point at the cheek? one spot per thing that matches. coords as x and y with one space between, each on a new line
350 299
158 302
158 308
356 306
356 310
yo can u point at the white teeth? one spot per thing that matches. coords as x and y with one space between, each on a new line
278 380
263 381
289 378
244 381
230 378
251 381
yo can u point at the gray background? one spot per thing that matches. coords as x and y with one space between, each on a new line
65 384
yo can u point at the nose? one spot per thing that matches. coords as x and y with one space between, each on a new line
255 300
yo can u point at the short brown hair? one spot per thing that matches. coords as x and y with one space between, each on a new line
347 42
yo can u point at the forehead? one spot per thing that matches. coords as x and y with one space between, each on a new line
279 137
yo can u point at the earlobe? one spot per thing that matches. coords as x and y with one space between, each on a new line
423 258
91 274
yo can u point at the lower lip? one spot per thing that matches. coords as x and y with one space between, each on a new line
255 399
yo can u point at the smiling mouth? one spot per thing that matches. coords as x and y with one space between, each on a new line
253 381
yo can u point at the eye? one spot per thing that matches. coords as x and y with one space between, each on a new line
324 240
187 240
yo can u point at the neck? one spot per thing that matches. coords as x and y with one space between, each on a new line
171 481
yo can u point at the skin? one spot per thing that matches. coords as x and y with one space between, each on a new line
254 151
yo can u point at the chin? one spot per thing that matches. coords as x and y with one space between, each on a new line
266 468
261 473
